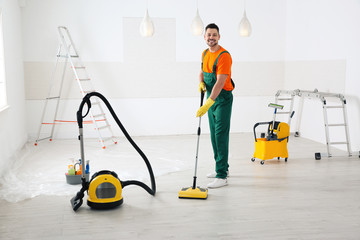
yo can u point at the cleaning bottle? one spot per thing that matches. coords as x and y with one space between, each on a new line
87 167
71 167
71 170
78 172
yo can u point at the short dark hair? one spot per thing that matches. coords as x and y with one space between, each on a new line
212 25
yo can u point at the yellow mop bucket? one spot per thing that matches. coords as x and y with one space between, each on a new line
274 144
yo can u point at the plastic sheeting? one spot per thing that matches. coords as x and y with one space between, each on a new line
40 170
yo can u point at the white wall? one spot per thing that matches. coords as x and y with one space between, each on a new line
295 45
159 96
13 132
97 27
325 34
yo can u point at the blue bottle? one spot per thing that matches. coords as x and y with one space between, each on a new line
87 167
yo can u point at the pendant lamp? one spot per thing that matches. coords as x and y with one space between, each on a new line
197 26
147 26
244 26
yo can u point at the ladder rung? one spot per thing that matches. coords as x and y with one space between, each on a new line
333 106
95 103
89 91
83 79
40 139
284 99
282 112
106 126
336 124
336 143
52 97
108 138
65 56
81 67
99 115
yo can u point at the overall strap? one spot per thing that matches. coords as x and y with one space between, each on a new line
214 66
216 61
203 59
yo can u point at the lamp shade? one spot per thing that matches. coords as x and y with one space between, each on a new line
147 26
244 26
197 26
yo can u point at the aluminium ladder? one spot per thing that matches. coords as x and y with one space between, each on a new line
323 96
69 54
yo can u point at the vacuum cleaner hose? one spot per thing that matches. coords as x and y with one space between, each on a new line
86 100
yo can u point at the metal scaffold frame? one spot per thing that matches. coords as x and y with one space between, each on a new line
323 96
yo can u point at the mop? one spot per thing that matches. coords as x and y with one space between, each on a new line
195 192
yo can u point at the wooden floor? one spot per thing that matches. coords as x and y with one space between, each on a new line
300 199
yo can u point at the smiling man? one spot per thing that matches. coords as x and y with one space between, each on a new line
215 78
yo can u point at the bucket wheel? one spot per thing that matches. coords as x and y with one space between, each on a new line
262 162
253 159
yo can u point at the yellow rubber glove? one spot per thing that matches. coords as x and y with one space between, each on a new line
204 108
202 87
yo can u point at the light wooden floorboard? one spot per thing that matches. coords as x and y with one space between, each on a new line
300 199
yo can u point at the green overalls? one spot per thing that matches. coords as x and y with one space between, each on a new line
219 121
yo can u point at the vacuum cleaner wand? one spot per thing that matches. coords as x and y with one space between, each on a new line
77 201
79 118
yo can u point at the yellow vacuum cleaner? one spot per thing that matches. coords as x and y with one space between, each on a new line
195 192
274 144
105 188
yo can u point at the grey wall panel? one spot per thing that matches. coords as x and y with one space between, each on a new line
152 79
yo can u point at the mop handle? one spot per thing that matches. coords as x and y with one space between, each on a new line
275 106
273 123
198 139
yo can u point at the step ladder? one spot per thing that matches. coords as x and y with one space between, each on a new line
340 101
68 56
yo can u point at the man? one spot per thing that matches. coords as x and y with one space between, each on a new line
215 78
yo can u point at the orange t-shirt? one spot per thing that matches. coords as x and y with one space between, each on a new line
223 65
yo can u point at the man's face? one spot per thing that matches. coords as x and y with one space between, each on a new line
211 37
